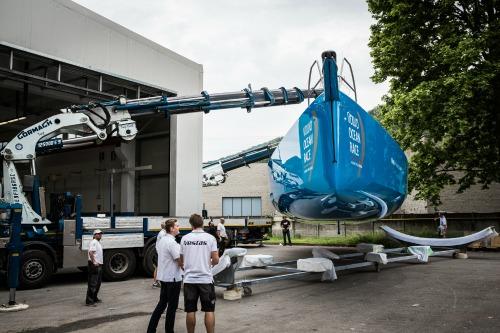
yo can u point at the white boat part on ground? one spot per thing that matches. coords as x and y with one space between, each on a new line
441 242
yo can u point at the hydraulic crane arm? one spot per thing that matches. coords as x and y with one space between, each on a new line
215 172
93 123
247 99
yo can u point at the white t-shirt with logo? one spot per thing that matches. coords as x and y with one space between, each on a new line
222 230
196 249
95 246
160 235
168 251
442 221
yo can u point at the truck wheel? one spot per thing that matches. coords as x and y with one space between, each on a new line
150 260
119 264
36 269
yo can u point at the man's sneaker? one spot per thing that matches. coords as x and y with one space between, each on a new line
156 284
90 304
98 300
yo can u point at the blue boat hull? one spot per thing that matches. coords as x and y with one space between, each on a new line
337 163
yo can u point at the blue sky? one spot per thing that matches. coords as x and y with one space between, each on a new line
265 43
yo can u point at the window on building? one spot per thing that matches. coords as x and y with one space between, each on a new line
242 206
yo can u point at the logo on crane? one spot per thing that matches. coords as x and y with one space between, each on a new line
14 188
46 123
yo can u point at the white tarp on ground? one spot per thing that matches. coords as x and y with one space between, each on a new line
257 260
318 265
365 248
441 242
422 252
319 252
225 260
376 257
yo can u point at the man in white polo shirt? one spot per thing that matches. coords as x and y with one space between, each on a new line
198 255
95 261
170 276
161 234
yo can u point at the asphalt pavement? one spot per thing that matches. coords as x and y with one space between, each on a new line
445 295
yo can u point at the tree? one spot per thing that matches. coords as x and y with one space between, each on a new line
442 60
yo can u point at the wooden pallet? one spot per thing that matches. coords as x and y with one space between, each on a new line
492 243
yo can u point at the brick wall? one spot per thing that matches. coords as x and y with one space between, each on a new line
413 206
473 200
242 182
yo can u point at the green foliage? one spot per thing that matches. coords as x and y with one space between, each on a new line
350 240
442 59
353 239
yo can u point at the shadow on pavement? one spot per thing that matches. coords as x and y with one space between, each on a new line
85 323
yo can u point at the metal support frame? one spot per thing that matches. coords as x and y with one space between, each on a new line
396 255
15 249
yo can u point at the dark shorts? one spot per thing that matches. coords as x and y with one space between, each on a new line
205 292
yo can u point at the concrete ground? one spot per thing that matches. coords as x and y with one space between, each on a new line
446 295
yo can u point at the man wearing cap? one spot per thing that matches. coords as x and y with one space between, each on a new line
95 261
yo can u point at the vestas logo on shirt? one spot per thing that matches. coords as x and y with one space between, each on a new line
34 129
195 243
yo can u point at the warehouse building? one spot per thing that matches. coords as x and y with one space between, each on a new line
56 53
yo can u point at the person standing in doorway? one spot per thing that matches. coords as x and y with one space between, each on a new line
169 275
443 225
285 228
198 255
222 236
95 262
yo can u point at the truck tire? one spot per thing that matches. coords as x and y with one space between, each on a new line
119 264
37 267
150 260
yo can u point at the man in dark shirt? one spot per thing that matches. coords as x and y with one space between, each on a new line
212 230
285 227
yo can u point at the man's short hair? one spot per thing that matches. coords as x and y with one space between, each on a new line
169 224
196 221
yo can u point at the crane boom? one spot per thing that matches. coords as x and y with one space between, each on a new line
247 99
215 172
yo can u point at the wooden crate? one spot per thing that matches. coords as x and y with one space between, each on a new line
495 242
476 245
492 243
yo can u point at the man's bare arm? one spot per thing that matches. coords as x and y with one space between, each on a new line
214 255
92 257
180 261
